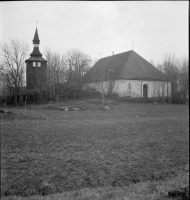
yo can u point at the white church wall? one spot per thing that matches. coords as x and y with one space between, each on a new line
134 88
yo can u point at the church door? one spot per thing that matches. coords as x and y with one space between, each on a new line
145 91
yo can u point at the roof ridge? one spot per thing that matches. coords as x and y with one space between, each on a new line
125 64
152 66
115 54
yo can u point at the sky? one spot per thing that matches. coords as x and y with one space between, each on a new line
98 27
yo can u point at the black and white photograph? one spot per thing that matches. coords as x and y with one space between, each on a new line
94 100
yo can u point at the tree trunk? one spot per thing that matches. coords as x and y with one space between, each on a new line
103 98
167 93
57 98
15 99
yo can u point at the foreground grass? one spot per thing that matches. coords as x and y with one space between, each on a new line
50 151
149 190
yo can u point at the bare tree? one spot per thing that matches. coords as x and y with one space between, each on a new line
13 55
110 78
140 88
78 63
106 82
177 72
129 89
3 86
56 72
160 67
170 67
184 78
159 89
103 88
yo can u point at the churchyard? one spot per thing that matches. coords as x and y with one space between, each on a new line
79 150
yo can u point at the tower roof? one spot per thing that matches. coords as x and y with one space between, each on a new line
36 55
36 38
36 52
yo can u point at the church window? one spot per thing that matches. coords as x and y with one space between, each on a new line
34 64
39 64
36 45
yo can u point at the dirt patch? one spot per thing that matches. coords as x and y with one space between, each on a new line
77 106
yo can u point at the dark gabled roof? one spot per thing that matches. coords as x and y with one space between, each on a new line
36 38
36 59
128 65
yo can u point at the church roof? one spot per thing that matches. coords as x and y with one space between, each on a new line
36 37
128 65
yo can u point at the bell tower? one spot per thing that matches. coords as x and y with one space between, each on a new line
36 67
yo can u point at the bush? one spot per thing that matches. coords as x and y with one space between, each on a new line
8 100
74 92
70 92
34 96
130 99
178 99
114 96
90 93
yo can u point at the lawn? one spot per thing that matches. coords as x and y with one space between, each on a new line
45 150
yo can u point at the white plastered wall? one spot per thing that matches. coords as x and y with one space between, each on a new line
134 88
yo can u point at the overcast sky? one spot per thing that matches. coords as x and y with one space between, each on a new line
157 27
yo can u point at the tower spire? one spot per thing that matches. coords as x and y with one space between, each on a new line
36 37
36 42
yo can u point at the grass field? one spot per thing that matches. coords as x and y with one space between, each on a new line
46 150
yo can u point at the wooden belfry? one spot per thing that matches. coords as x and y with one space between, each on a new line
36 67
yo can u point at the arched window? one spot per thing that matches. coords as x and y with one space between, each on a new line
145 90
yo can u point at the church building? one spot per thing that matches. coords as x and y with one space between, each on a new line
36 68
127 74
